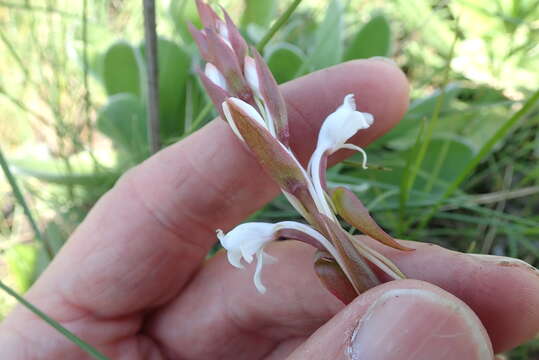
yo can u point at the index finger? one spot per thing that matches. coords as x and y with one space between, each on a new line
143 240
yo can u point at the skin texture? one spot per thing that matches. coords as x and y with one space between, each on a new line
133 282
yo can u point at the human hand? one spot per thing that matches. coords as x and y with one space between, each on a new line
132 280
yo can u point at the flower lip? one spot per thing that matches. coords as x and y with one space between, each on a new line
342 125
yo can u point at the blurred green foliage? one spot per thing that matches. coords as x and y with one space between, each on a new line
70 130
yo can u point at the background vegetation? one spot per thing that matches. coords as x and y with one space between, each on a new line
460 170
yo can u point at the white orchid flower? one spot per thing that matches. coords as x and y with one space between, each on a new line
338 127
253 114
247 241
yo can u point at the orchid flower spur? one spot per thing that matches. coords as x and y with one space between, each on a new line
246 95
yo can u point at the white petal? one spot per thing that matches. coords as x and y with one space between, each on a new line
234 258
349 102
230 120
223 30
215 75
249 110
314 172
251 75
258 272
342 125
245 240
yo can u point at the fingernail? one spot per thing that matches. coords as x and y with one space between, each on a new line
419 324
504 261
384 59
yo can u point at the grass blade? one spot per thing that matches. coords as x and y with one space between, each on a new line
483 152
68 334
277 25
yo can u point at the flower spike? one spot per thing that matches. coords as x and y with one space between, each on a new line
247 96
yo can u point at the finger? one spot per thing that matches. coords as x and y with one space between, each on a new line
143 240
296 304
405 319
502 291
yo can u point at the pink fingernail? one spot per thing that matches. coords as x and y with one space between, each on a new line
419 324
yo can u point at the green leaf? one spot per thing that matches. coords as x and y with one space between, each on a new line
373 39
259 12
328 46
284 61
123 120
445 158
174 68
174 65
123 69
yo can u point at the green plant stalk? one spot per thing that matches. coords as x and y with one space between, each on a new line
68 334
437 167
408 183
485 149
20 198
150 36
277 25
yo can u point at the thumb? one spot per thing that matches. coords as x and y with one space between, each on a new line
405 319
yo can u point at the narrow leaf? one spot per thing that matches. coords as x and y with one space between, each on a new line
273 98
359 273
208 17
356 214
202 43
236 40
228 64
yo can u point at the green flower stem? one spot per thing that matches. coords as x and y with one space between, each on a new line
277 25
68 334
